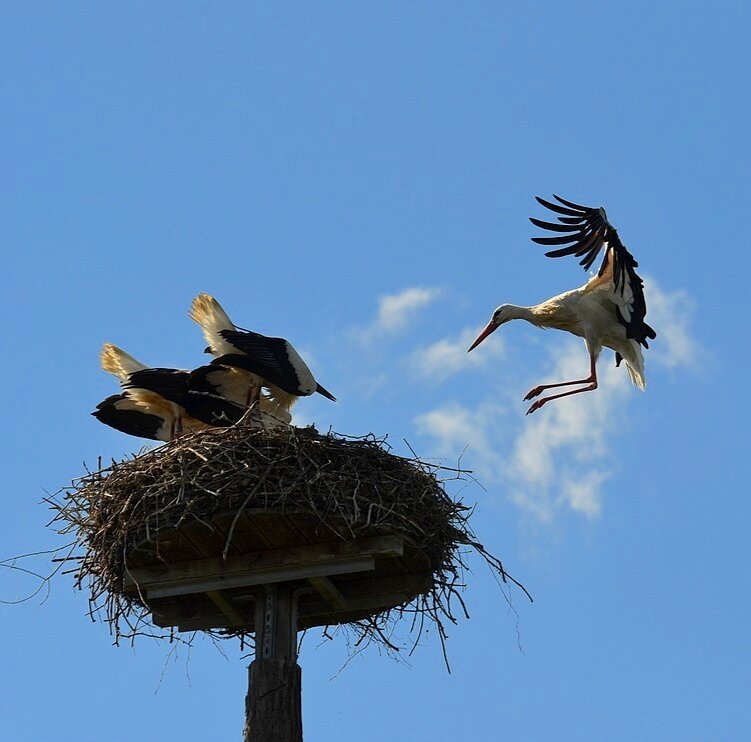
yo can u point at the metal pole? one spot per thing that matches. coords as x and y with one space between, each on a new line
273 706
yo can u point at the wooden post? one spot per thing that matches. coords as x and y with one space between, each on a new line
216 592
273 706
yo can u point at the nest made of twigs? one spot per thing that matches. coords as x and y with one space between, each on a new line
356 483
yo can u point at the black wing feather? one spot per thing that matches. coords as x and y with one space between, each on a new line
265 356
553 227
579 207
578 248
561 252
268 358
132 422
198 380
556 208
212 409
589 234
205 403
170 383
559 240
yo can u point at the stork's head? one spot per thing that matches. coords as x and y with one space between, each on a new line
502 314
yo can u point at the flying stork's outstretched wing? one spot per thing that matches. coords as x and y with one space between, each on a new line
585 231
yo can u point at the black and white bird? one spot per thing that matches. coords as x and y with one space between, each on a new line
136 417
167 392
609 310
267 361
238 387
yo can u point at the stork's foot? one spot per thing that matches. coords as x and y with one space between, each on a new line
250 416
536 405
532 393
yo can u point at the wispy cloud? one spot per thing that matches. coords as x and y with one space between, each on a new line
547 462
455 427
397 311
369 368
559 459
449 356
583 495
670 313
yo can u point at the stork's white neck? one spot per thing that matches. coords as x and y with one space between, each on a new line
512 311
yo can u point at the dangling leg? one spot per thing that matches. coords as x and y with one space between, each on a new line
592 381
532 393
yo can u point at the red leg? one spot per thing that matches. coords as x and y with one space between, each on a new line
592 381
532 393
175 428
254 392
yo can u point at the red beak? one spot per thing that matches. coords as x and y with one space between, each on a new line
488 329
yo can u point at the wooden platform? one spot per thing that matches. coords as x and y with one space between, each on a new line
187 581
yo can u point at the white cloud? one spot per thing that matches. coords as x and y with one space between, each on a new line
396 311
449 356
549 462
559 458
456 427
366 369
670 313
583 495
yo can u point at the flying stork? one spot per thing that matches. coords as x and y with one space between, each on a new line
608 310
266 361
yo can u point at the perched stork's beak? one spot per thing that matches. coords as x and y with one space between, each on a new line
488 329
325 393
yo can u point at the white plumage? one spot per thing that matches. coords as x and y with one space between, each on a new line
265 361
119 363
608 311
123 367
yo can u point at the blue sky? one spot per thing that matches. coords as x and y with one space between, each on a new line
357 177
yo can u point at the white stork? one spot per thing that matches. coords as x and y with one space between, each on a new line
165 392
608 310
238 387
266 361
138 417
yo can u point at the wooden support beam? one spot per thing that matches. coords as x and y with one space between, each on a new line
260 568
368 596
175 588
329 592
227 608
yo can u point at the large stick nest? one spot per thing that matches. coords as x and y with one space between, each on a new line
355 482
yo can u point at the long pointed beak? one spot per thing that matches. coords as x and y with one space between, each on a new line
490 327
325 393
